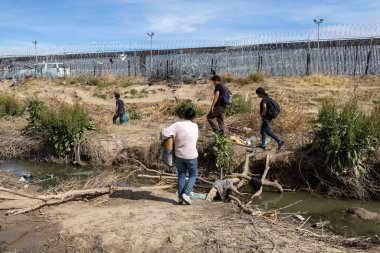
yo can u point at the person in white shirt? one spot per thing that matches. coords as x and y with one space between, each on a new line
185 134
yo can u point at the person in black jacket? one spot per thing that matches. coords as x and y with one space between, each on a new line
216 115
266 119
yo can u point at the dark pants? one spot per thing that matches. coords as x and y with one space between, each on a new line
265 130
216 119
122 117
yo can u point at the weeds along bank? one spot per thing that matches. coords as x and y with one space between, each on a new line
331 143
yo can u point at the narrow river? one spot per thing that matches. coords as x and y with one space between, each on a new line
318 208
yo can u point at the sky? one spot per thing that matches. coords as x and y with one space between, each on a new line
53 22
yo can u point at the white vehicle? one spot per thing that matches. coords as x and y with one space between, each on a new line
53 69
48 69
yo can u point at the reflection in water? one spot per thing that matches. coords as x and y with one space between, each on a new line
322 209
319 208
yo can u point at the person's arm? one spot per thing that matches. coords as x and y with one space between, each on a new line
169 132
264 109
116 107
215 99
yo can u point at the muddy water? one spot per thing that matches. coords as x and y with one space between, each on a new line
318 208
324 209
44 173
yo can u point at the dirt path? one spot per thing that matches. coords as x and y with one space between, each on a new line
152 221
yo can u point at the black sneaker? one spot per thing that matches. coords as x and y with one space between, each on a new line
261 146
280 144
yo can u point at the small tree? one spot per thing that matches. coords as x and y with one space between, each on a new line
222 150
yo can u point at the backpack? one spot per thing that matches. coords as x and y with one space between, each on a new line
274 108
226 99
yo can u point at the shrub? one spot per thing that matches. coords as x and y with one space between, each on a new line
64 125
127 83
346 136
221 149
189 80
10 106
182 106
228 77
256 77
133 92
239 105
134 114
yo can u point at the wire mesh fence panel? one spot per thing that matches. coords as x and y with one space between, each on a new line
341 50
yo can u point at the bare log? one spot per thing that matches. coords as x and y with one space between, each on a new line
273 184
19 193
71 195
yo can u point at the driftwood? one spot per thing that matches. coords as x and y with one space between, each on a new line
244 178
49 200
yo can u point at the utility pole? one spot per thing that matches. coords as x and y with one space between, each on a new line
151 34
318 22
35 48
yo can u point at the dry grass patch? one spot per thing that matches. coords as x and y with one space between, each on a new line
253 77
316 80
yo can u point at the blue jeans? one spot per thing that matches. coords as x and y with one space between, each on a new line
265 130
183 165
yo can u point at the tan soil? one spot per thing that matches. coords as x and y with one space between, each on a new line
151 221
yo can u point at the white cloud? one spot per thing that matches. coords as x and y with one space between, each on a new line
176 23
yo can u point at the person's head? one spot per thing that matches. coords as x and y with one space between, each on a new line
117 95
261 92
189 114
216 79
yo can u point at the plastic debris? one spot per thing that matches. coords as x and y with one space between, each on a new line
201 196
299 217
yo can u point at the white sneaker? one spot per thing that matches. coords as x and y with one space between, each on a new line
186 199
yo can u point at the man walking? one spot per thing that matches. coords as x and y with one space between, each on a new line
185 134
216 115
119 110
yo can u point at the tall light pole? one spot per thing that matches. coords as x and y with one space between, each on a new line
318 22
35 47
151 34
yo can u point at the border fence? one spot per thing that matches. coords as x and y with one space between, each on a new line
340 50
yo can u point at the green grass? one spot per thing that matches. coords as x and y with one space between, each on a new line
346 136
65 125
184 105
11 106
239 105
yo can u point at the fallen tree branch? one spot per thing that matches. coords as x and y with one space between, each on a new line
71 195
19 193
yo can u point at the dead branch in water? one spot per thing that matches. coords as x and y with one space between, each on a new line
244 178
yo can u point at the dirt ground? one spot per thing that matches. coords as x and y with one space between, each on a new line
152 221
156 103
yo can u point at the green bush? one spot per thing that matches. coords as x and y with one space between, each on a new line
182 106
64 125
10 106
221 149
239 105
346 136
134 114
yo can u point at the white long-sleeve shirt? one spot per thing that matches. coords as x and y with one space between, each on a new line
185 134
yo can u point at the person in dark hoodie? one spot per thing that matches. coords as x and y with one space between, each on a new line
119 110
266 119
